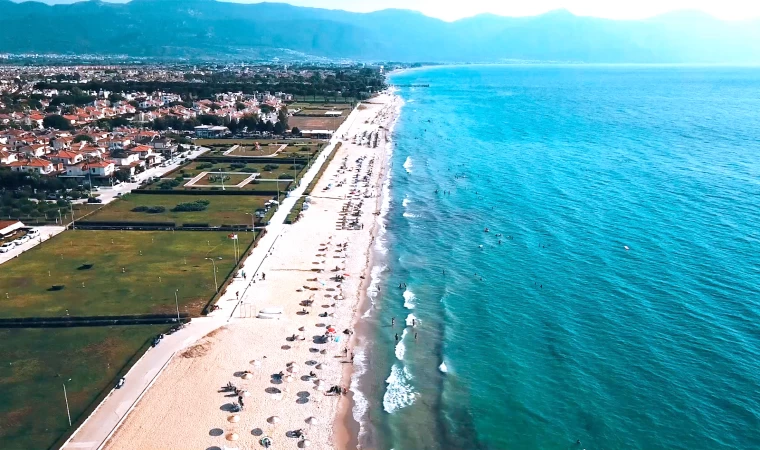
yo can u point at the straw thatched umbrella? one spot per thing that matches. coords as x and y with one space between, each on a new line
233 419
233 437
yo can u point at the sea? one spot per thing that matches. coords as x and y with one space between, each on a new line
568 258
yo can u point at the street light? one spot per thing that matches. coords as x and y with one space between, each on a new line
176 302
253 224
66 397
213 262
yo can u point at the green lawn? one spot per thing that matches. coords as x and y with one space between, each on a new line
215 179
36 363
221 210
169 261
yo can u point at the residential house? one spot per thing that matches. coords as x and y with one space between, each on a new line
34 151
7 157
66 157
39 165
101 168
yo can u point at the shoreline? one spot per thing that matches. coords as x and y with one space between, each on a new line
347 427
178 411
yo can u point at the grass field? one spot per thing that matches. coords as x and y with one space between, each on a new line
221 210
36 363
264 150
230 180
169 261
316 123
231 142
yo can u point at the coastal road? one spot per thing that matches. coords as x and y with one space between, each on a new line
104 421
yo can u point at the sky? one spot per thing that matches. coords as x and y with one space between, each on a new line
457 9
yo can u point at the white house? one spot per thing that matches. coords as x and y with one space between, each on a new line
41 166
101 168
7 157
66 157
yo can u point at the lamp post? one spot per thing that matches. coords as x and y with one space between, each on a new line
213 262
66 397
253 224
176 302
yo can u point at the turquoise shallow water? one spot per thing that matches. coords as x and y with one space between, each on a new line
560 333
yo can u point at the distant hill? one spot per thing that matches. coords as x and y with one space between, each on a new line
208 28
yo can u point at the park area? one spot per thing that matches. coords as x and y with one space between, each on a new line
213 210
100 273
36 362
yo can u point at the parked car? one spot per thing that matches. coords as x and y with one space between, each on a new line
22 240
34 233
94 200
120 383
5 248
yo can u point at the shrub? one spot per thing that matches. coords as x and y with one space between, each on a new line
285 176
156 209
140 209
199 205
270 167
237 166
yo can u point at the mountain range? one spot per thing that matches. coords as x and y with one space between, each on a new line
214 29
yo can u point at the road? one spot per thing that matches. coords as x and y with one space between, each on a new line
104 421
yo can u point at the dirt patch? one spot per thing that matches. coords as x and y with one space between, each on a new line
196 351
15 418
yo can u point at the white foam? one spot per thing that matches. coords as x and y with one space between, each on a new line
361 405
411 321
443 367
409 299
409 215
400 347
399 392
405 202
408 164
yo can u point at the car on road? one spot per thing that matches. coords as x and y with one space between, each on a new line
5 248
120 383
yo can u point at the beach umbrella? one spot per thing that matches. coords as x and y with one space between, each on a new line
299 337
312 421
233 419
318 366
273 420
318 382
289 379
306 443
331 330
244 393
319 388
293 368
247 376
233 437
324 352
302 329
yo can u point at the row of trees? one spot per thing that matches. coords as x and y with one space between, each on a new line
359 84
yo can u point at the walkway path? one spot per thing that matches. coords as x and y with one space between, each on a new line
104 421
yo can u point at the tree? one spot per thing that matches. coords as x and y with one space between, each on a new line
279 128
282 117
295 131
85 138
240 106
56 121
122 175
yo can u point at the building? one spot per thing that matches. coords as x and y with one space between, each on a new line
8 227
7 157
208 131
39 165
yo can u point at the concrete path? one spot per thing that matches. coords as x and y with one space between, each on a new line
104 421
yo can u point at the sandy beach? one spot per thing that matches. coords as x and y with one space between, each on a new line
284 367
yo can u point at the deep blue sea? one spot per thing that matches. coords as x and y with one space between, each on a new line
615 299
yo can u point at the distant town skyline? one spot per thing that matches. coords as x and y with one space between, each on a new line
453 10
